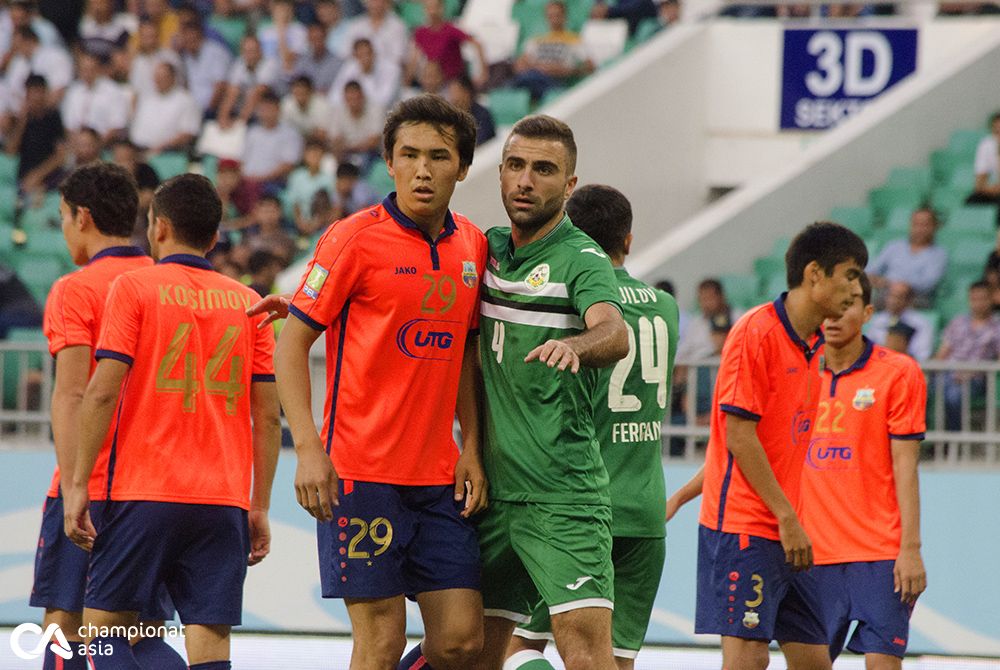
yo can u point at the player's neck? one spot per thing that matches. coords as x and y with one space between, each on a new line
839 359
173 248
430 225
101 242
804 315
522 237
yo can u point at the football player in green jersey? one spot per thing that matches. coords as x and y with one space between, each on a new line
551 316
631 401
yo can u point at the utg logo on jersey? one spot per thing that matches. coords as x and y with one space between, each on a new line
801 426
827 454
429 339
60 647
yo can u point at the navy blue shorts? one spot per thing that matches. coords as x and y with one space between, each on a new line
387 540
746 590
61 568
861 592
199 552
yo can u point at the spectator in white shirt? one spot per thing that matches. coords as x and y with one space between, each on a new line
355 128
30 57
318 63
95 101
148 55
249 77
283 38
168 118
272 148
206 64
329 14
24 13
898 309
101 29
917 260
987 168
385 30
305 109
379 79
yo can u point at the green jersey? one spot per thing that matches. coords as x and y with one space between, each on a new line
540 440
632 400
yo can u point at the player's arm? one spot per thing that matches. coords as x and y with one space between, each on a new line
603 342
470 477
72 372
909 575
748 452
96 413
686 493
266 415
315 477
275 306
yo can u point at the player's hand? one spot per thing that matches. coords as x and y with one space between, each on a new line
260 536
470 483
316 483
555 353
275 306
673 504
76 517
909 577
797 546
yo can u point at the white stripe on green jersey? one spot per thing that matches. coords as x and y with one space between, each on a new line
540 438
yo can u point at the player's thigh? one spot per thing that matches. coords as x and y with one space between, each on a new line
883 662
801 623
533 634
828 586
884 620
444 551
638 564
205 644
583 637
453 622
378 628
60 575
743 654
507 588
496 636
802 656
99 623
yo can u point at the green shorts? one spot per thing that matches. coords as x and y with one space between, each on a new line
638 564
558 554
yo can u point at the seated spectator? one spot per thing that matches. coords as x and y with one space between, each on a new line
273 148
429 80
987 168
969 337
351 192
916 261
318 63
30 57
554 59
167 119
462 94
749 11
696 343
799 11
267 230
37 139
633 11
249 77
379 79
164 19
355 128
206 65
228 180
967 8
264 268
147 55
668 12
899 337
20 13
440 41
305 109
84 147
330 16
305 181
95 101
101 29
899 309
283 38
126 154
385 31
18 308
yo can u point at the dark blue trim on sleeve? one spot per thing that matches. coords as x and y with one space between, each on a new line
305 318
107 353
911 436
261 378
740 412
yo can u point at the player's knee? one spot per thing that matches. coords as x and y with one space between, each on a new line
882 662
458 651
582 659
378 652
755 657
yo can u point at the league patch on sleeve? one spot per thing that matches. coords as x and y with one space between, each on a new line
315 280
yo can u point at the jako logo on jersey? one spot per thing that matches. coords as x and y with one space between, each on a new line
863 399
592 250
469 274
801 425
538 277
315 280
406 270
580 581
827 454
429 339
60 647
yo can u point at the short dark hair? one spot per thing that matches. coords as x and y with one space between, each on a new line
191 204
28 33
979 284
995 117
544 127
35 81
269 95
303 79
260 259
465 81
354 83
665 285
361 41
711 284
445 117
109 193
828 244
348 169
602 212
930 210
866 289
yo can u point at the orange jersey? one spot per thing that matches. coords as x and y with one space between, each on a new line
73 313
768 375
849 506
397 309
182 430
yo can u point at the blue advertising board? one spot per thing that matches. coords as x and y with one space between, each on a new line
828 75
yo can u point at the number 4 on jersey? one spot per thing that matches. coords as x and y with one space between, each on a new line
233 389
653 356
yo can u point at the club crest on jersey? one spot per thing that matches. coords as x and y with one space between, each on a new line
469 274
538 278
863 399
315 280
751 619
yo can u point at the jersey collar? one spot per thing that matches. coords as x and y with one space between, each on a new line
779 307
528 249
117 252
188 259
406 222
859 364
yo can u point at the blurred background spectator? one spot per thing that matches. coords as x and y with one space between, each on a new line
987 168
915 261
248 78
462 93
379 77
305 109
899 310
37 138
554 59
166 118
18 309
355 128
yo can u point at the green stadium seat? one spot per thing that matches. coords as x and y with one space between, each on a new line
8 203
879 237
886 198
773 288
47 242
509 105
7 247
378 178
954 304
412 13
577 13
168 164
963 177
741 290
974 219
232 29
967 257
780 246
646 29
767 267
964 142
8 169
899 220
44 216
551 96
946 199
910 177
38 268
859 219
530 15
210 167
944 162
